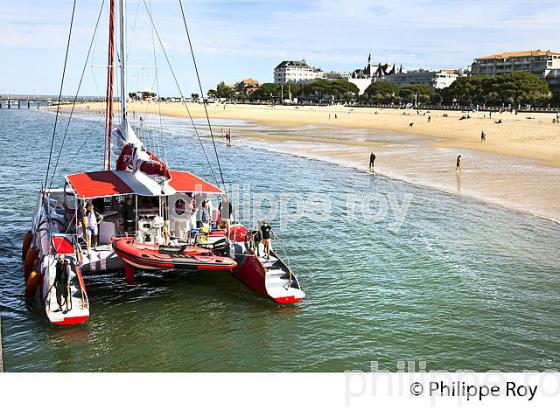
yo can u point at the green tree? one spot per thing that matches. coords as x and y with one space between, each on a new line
340 90
224 91
266 92
417 93
383 92
512 88
293 88
520 88
195 96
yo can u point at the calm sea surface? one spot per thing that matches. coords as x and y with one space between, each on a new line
461 285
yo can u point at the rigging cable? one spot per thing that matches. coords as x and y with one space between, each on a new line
60 91
202 92
77 92
181 93
156 81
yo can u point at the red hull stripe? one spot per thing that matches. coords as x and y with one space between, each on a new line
284 300
73 320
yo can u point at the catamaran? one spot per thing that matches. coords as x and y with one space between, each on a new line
158 229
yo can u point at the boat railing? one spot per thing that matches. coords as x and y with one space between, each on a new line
287 263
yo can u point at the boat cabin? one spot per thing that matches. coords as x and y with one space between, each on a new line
162 214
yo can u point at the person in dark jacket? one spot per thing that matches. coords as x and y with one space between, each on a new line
371 162
62 283
226 210
266 231
127 214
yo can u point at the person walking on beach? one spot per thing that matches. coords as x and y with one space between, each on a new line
228 137
335 117
458 167
371 161
429 118
482 136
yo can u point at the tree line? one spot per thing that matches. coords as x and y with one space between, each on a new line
337 90
507 89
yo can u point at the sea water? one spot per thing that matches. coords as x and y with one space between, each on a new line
459 285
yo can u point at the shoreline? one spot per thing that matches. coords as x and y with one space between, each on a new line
518 182
536 138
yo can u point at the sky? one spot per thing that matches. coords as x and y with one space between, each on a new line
239 39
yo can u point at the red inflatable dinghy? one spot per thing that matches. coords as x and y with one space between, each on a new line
155 257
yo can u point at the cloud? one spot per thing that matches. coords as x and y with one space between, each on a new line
236 39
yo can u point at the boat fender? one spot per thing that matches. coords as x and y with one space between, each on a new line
26 244
30 260
32 283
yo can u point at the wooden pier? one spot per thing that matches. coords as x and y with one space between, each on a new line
23 101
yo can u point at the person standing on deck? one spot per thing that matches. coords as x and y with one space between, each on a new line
62 283
226 211
256 239
93 218
127 214
266 233
371 161
204 214
81 215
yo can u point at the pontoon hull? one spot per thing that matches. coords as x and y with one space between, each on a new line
251 271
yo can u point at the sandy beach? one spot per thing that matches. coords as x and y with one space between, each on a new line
518 166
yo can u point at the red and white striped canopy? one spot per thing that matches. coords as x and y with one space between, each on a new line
111 183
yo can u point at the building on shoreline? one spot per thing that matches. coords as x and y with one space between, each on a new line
543 64
247 86
293 71
434 79
537 62
363 77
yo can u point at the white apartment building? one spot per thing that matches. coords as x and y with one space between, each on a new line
537 62
296 72
434 79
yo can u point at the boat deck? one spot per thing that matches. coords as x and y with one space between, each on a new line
278 279
78 305
102 259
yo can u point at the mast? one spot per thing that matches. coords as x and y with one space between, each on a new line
123 63
110 87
